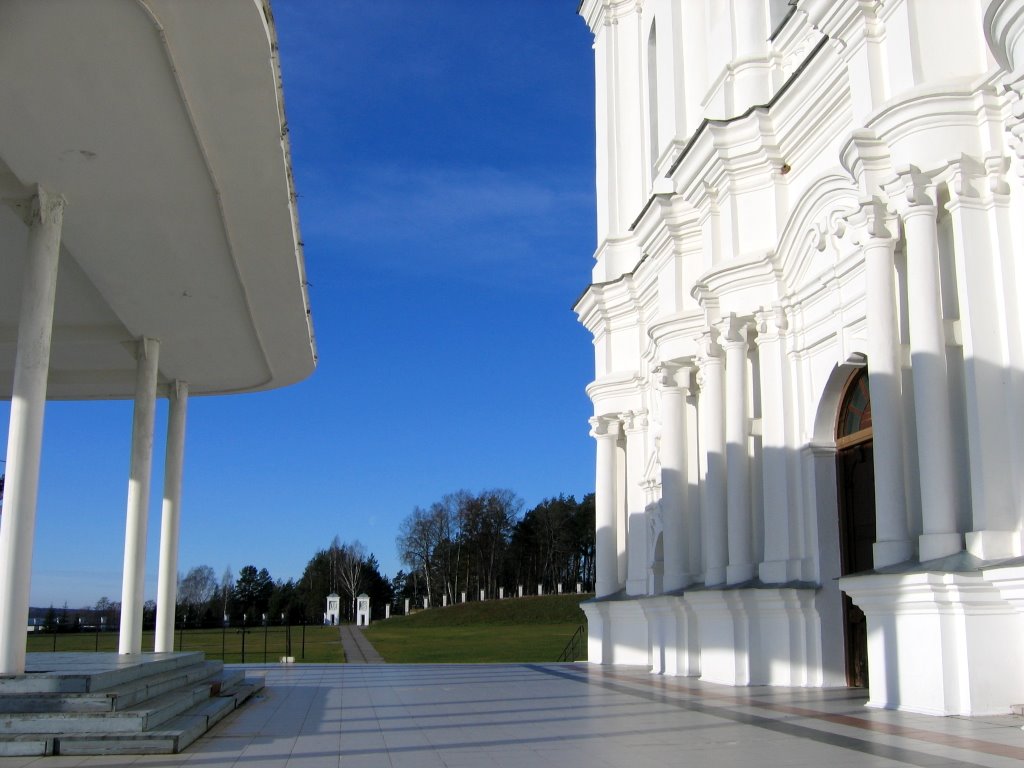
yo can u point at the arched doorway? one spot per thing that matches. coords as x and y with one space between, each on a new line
855 474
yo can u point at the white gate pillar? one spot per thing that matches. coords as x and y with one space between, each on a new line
133 580
25 435
170 523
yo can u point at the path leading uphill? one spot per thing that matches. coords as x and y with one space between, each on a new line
358 649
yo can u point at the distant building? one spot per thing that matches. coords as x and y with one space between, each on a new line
807 307
333 614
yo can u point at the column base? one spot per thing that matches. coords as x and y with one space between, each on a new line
714 576
737 574
993 545
891 552
636 587
932 546
780 571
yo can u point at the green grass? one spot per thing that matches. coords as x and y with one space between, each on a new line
323 644
529 629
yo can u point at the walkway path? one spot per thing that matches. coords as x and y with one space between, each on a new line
565 716
358 650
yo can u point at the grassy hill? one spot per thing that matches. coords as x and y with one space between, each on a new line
527 629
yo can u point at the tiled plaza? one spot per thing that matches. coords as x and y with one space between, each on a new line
564 716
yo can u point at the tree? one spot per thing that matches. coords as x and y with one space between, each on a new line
227 588
350 572
196 590
253 590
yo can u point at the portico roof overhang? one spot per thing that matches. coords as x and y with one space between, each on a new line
161 123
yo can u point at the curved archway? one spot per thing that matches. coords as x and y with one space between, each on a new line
855 478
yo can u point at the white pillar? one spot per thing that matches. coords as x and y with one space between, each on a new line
133 580
25 434
712 424
170 522
892 539
674 481
737 452
406 607
779 565
606 431
387 610
931 384
501 593
636 529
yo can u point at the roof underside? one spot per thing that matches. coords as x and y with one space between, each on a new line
161 124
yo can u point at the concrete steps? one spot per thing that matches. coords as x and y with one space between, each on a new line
156 706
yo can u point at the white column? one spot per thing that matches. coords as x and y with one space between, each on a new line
606 431
674 481
737 451
892 539
936 465
25 434
712 424
636 529
778 566
133 580
167 580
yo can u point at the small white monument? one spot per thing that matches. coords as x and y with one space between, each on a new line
444 600
363 610
407 606
501 593
387 610
333 614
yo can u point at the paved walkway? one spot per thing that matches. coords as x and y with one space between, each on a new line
565 716
358 650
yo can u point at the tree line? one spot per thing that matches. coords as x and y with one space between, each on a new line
470 543
465 542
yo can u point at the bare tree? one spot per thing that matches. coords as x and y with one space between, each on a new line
350 570
227 588
197 588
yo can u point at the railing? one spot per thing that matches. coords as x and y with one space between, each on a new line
574 648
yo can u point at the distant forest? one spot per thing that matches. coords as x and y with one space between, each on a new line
464 542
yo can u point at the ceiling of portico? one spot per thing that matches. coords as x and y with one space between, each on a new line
160 123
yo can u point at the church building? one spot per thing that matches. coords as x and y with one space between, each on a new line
808 330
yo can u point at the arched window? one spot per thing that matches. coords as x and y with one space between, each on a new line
854 423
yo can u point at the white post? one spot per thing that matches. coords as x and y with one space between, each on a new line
540 589
559 587
520 590
501 593
463 597
387 610
133 580
579 588
483 595
407 606
737 453
170 523
712 421
606 432
892 539
444 600
931 384
25 434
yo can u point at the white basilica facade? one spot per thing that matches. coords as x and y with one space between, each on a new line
809 345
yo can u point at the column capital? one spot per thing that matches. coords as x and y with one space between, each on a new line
913 192
736 330
676 374
770 322
45 205
634 421
604 426
873 222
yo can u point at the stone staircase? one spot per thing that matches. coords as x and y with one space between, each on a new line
99 703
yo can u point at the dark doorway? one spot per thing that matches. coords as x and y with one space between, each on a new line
855 472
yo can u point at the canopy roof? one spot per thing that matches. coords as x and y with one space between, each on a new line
161 123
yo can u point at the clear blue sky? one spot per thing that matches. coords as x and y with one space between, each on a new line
443 156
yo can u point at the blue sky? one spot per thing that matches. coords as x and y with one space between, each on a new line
443 156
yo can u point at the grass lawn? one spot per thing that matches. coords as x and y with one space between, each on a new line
528 629
322 644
